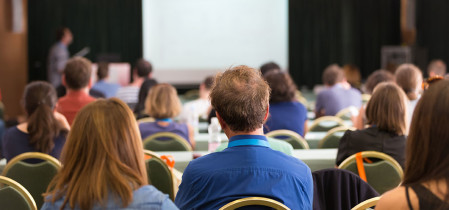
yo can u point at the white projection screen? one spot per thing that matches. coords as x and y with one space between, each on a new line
187 40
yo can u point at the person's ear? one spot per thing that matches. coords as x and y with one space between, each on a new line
267 113
221 121
63 80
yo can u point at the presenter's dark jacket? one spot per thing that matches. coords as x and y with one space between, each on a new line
371 139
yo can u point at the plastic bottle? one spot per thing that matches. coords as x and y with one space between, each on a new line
214 134
193 120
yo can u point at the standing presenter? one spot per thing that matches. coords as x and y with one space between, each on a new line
57 58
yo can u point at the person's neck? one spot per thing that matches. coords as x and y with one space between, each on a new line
229 133
138 81
84 90
204 95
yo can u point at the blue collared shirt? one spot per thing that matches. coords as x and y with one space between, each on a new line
108 89
240 171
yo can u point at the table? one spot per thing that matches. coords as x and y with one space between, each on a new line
316 159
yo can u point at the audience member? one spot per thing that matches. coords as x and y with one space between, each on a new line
352 74
269 67
436 68
108 89
373 80
386 114
426 182
163 104
139 110
103 164
76 79
248 167
285 111
130 94
200 106
58 57
44 131
409 78
337 95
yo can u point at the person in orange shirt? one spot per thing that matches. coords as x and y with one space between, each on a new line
76 79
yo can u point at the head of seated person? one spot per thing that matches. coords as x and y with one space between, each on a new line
427 163
285 111
409 78
377 77
333 75
163 104
142 69
103 163
77 73
269 67
436 68
205 87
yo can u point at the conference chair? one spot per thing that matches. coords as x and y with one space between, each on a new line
301 98
159 174
332 137
365 98
191 95
145 120
166 141
339 189
325 123
254 201
35 177
367 204
347 113
380 170
14 196
296 140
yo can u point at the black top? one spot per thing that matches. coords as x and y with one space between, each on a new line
371 139
427 200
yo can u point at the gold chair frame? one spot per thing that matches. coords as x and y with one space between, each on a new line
30 155
284 132
145 120
373 154
10 182
366 204
174 136
345 111
172 175
319 120
331 132
251 201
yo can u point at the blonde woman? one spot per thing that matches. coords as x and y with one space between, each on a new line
163 104
103 163
386 115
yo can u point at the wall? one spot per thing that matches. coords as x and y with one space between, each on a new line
13 59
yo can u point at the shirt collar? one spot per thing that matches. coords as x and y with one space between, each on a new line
248 140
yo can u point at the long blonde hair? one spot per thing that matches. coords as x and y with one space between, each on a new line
163 102
103 154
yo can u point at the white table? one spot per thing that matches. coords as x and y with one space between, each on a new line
316 159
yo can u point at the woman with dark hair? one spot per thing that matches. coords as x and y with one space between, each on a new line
285 111
386 114
45 129
426 176
103 163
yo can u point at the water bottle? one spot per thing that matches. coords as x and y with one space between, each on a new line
214 134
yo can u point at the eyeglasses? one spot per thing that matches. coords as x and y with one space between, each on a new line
431 80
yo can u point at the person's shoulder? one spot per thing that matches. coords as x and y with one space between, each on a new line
396 199
149 194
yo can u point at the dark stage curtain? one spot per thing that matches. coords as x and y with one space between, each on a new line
105 26
432 25
322 32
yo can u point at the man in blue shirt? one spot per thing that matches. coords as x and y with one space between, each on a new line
248 167
337 95
108 89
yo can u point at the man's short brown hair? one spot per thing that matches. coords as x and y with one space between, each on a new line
102 70
332 74
409 78
77 73
240 96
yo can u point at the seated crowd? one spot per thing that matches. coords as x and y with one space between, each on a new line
99 141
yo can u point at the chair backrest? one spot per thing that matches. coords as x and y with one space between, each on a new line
339 189
365 98
34 177
383 175
159 174
14 196
332 137
254 201
166 141
326 123
192 94
347 113
367 204
146 119
296 140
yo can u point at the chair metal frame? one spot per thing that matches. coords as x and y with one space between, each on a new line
366 98
373 154
319 120
331 132
252 201
172 176
145 120
173 136
24 192
293 134
31 155
366 204
342 113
